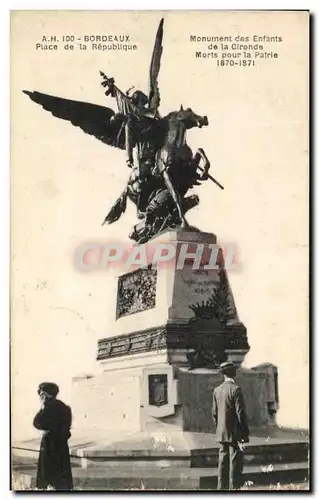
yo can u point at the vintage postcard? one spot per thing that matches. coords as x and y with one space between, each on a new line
159 250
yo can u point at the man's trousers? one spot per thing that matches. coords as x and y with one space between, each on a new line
230 467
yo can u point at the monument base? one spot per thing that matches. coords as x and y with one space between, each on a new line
130 391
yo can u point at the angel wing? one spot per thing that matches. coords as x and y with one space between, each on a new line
154 94
91 118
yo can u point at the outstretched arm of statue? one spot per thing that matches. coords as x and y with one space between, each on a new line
109 83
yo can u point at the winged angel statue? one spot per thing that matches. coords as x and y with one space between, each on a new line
162 166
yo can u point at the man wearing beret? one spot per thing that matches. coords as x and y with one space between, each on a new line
231 429
54 420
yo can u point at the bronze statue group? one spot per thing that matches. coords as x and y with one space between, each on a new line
162 166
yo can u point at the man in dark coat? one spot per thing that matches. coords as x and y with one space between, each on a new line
231 429
54 420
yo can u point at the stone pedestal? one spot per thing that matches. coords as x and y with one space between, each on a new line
174 321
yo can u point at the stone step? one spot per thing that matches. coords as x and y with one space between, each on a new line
255 454
272 453
261 454
128 477
163 462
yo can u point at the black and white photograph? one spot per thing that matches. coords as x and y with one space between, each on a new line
160 250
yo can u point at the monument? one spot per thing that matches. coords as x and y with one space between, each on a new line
174 318
185 324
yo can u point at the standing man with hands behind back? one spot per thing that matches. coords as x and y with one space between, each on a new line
232 429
